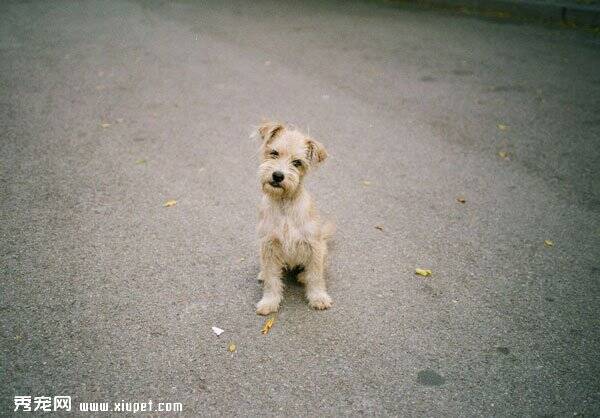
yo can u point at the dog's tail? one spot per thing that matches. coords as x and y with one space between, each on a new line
327 230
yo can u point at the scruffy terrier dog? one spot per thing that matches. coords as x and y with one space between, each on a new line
292 237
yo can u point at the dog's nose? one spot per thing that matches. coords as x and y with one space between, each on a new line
278 176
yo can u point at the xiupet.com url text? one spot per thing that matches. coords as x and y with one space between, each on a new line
64 404
131 406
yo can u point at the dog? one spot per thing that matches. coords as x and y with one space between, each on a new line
292 237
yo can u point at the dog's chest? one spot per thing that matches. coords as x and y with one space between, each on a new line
292 231
283 229
294 241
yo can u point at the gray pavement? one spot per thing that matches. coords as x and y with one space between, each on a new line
570 13
106 295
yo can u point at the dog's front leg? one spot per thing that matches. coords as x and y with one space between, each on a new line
270 275
314 280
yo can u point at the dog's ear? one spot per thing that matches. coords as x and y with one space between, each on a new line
315 151
269 130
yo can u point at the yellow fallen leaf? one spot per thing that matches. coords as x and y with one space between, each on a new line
380 227
502 127
548 243
366 182
231 347
503 154
267 325
105 125
423 272
141 161
461 200
170 203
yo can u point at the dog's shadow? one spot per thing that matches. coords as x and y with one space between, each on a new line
290 275
293 289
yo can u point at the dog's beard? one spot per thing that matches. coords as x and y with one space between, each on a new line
284 189
279 190
271 189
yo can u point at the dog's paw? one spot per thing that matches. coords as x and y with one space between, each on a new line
267 306
320 301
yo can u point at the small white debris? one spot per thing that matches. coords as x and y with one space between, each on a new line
218 330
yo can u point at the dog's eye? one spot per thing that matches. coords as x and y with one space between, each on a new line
297 163
274 153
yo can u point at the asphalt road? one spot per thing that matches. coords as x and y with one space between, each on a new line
109 109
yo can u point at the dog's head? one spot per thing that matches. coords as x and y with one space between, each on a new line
287 155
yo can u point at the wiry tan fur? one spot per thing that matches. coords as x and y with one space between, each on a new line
291 234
